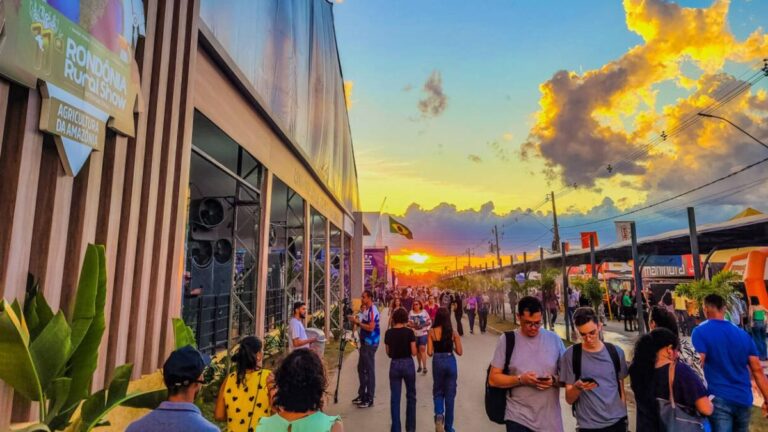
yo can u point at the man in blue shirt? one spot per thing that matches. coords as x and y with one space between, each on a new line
369 343
729 357
183 376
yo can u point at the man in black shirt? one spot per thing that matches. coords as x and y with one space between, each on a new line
400 344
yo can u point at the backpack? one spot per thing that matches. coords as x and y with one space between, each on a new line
496 397
577 350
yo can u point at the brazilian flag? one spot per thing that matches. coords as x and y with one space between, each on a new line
398 228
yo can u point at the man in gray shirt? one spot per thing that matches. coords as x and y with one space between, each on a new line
595 387
533 403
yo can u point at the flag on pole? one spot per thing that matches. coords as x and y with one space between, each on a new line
398 228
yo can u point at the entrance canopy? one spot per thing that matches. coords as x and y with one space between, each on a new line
743 232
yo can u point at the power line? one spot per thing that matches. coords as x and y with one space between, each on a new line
739 171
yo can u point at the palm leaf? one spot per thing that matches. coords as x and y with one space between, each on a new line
17 367
50 351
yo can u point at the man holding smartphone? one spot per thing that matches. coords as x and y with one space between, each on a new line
593 373
533 403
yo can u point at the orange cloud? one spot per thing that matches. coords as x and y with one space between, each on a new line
608 115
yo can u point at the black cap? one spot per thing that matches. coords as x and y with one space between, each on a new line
184 366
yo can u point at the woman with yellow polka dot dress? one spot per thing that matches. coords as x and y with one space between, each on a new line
244 397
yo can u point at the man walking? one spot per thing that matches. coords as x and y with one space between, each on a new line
457 304
369 343
593 373
299 338
729 357
471 311
533 402
484 305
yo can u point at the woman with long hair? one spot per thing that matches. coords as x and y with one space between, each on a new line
661 318
442 343
243 397
299 388
400 343
420 322
395 305
655 353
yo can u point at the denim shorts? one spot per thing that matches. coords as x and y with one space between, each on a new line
421 340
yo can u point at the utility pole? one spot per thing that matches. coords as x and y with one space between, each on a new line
469 258
498 254
556 240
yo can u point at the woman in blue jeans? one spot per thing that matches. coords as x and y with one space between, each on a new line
400 343
442 343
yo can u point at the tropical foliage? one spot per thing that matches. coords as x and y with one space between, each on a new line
720 284
50 357
591 289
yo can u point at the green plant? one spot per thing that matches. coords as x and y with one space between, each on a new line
591 289
721 284
182 334
50 358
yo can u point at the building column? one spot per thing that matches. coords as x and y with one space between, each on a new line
306 259
263 254
356 270
327 281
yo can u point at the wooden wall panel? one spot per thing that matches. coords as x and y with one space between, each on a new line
179 211
125 303
148 204
19 173
107 230
54 196
158 297
5 87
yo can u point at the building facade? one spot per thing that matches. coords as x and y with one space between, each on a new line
218 170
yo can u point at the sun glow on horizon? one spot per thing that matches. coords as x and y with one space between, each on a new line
418 258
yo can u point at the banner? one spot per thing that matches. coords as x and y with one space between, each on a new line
623 231
375 267
82 52
585 239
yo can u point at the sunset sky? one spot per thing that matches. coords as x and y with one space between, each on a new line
464 114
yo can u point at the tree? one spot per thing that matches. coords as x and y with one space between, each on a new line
591 289
721 284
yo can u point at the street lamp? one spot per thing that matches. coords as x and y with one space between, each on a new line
734 125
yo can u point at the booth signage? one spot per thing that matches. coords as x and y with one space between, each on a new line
82 53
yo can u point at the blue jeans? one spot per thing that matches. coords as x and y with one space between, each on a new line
729 416
444 375
471 316
366 372
402 370
758 335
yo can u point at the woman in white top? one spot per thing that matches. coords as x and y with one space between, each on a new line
420 322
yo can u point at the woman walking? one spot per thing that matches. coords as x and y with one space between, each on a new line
243 397
457 304
442 343
431 307
300 384
654 371
400 343
471 311
628 311
757 318
395 305
420 322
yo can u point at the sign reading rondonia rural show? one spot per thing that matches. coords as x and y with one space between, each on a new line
81 53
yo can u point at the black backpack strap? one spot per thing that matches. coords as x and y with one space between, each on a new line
577 361
510 346
614 353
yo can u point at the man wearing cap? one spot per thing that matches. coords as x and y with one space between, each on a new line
183 376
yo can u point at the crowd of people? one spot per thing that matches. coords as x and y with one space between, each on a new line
678 383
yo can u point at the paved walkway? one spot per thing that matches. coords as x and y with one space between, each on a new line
470 410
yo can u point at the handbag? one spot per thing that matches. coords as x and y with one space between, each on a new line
675 417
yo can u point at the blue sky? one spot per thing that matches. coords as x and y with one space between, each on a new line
492 57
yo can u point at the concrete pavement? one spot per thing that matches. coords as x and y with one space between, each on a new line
470 408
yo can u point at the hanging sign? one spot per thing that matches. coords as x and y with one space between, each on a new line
81 52
623 231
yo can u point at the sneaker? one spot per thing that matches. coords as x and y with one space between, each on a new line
424 371
365 404
419 371
357 401
439 423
